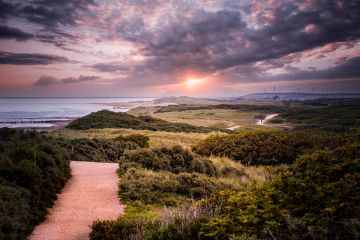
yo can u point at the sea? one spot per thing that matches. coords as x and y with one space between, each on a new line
47 112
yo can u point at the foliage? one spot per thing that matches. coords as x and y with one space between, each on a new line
336 115
314 198
239 107
265 147
139 139
108 119
98 150
175 160
317 198
165 188
33 169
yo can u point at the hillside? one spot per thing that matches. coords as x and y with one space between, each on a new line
108 119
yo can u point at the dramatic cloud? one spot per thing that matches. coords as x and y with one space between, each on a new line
30 58
46 81
349 69
146 43
13 33
51 15
212 41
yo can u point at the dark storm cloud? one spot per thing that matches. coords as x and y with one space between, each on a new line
213 41
46 81
13 33
6 9
223 37
30 58
349 69
51 15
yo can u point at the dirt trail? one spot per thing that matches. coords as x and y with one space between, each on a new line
90 194
267 118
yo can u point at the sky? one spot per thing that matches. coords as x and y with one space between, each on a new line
132 48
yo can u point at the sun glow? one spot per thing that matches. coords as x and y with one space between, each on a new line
193 82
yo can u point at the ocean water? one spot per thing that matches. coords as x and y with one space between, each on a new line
45 112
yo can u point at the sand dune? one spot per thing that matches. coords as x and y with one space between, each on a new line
89 195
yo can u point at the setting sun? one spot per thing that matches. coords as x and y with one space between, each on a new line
192 82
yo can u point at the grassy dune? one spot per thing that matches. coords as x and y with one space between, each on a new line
157 138
220 118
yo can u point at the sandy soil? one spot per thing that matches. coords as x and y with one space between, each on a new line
267 118
90 194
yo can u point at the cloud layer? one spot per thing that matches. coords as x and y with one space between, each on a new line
30 59
158 43
45 81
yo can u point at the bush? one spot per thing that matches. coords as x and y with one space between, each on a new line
108 119
97 150
276 120
139 139
164 187
33 169
146 186
265 147
314 198
317 198
175 160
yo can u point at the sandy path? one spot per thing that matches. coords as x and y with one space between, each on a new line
234 127
267 118
90 194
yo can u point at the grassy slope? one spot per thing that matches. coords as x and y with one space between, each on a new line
157 138
220 118
109 119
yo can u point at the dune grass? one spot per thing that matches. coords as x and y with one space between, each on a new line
220 118
157 138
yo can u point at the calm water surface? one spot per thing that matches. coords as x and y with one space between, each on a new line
41 112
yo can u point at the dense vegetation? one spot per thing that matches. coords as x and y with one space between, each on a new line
311 190
108 119
175 160
337 115
100 150
33 169
315 198
240 107
266 147
162 175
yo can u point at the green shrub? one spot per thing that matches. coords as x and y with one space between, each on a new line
164 187
139 139
146 186
97 150
276 120
265 147
108 119
175 160
33 169
317 198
